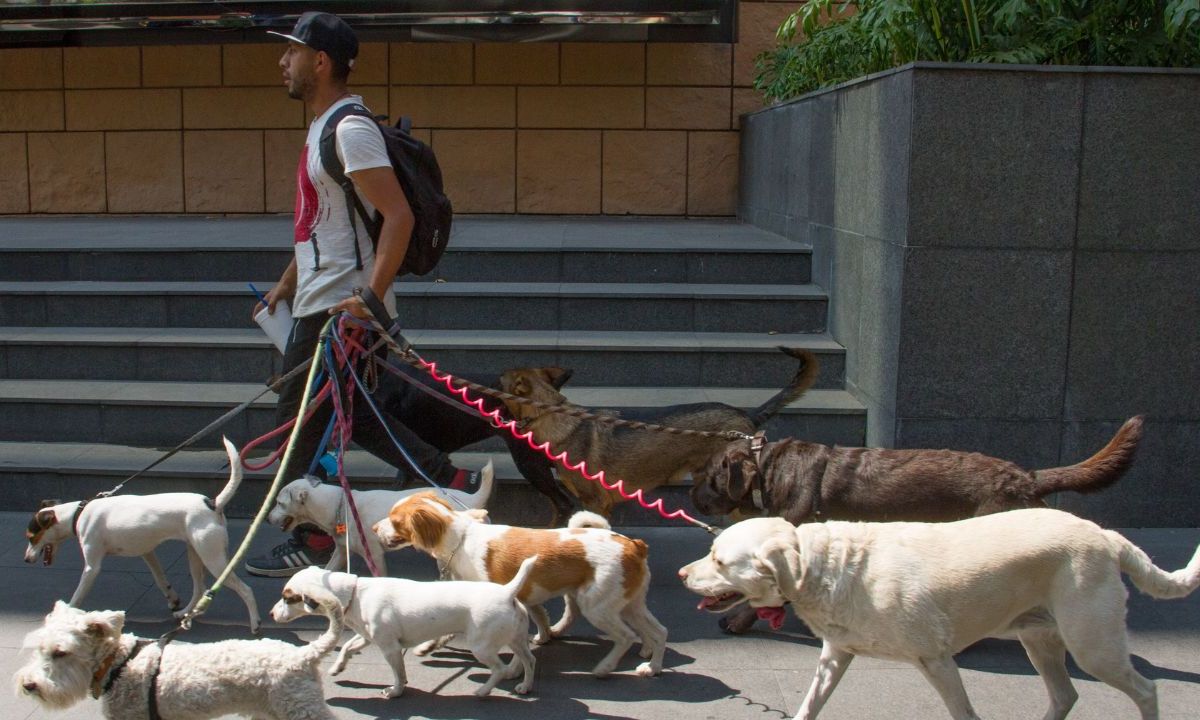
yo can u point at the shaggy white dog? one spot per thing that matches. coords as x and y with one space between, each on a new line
921 592
75 652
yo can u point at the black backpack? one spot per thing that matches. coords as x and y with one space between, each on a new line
420 178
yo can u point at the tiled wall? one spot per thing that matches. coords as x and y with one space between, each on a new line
584 128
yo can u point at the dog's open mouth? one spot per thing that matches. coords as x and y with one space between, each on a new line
47 555
287 523
720 603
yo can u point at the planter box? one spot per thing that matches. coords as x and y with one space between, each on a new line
1013 260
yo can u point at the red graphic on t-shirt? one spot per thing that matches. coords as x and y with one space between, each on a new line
306 200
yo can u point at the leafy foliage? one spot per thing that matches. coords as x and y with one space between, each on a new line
830 41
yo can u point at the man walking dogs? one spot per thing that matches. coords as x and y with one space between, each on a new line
334 254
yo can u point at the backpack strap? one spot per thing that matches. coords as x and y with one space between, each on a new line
333 166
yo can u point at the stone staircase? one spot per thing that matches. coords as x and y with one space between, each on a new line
122 336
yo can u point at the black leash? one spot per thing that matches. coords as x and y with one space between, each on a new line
210 427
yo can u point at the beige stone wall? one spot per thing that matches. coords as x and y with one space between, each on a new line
586 128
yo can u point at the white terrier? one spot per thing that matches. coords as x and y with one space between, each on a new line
308 500
75 652
133 525
397 614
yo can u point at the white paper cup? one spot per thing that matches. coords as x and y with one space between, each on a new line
278 326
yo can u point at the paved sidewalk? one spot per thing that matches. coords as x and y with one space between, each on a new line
760 676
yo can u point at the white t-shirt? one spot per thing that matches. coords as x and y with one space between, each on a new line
324 236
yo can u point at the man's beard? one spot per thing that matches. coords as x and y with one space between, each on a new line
299 88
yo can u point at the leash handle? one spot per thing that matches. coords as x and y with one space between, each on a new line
375 306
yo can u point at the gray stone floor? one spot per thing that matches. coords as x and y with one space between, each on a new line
759 676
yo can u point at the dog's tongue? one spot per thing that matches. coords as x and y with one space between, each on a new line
773 615
705 602
47 555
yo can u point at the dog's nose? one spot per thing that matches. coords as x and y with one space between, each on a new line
683 573
30 687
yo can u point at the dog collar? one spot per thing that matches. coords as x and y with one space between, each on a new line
108 673
444 568
757 487
75 517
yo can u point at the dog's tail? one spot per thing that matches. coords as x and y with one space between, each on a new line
479 499
235 476
328 605
513 587
1151 579
804 378
1100 470
588 519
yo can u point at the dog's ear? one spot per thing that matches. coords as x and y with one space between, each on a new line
779 558
105 624
426 526
50 503
739 472
557 376
45 517
477 514
313 480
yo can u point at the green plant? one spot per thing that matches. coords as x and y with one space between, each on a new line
830 41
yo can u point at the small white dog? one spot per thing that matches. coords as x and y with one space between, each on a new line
604 575
133 525
308 500
75 652
397 614
921 592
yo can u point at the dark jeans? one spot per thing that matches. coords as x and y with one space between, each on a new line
368 433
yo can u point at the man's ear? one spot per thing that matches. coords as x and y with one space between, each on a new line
779 558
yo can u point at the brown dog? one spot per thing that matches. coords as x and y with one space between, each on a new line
642 458
802 481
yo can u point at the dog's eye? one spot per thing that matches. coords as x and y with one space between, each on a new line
59 653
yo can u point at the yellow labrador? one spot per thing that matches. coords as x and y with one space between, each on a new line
921 592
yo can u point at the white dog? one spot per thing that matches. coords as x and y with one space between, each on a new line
604 575
921 592
133 525
77 651
308 500
397 614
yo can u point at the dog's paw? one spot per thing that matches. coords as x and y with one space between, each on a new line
646 670
394 691
337 669
523 688
483 691
425 648
541 639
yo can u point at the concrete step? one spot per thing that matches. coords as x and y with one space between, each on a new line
245 355
450 305
482 249
32 472
161 414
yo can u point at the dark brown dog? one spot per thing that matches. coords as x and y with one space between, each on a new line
802 481
642 458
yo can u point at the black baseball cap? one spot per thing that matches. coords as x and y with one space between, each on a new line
327 33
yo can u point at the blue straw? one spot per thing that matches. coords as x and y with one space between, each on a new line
261 298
